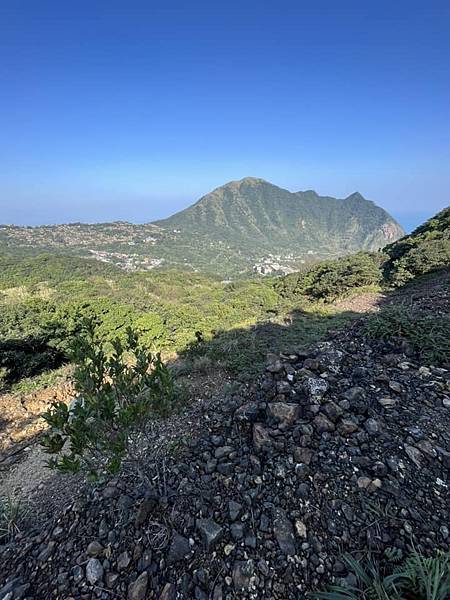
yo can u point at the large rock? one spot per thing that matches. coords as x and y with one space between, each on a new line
315 387
283 412
261 437
210 532
283 531
347 427
247 412
138 589
94 571
323 424
242 575
179 548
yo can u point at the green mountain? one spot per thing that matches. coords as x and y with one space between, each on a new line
258 218
242 227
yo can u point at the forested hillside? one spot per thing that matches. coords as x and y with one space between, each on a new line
46 299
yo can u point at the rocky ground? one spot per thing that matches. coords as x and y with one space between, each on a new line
343 447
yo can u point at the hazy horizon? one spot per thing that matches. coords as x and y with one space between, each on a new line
134 111
408 222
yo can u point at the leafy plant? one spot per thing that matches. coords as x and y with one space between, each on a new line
371 583
11 513
118 393
429 578
417 578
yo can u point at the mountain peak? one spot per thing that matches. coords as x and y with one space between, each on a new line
252 217
356 196
251 181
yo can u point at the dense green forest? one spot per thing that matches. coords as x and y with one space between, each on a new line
45 300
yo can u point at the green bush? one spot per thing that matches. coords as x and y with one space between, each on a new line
425 250
117 395
333 278
29 340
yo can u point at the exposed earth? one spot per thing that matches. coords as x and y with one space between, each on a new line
258 490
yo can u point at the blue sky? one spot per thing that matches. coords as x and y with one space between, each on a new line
133 110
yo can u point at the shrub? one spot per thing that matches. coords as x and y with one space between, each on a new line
29 340
426 249
333 278
117 394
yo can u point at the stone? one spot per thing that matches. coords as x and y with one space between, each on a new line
237 531
261 437
234 509
94 571
247 412
302 455
144 511
395 386
223 451
138 589
94 549
228 549
179 549
347 427
427 448
315 387
415 455
332 410
303 491
387 402
275 366
323 424
363 482
283 531
243 571
210 532
45 554
286 413
331 360
372 426
123 561
111 579
300 528
284 388
169 592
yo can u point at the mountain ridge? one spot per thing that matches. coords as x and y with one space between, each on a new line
255 207
244 226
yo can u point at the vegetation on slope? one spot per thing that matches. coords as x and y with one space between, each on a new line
46 299
255 214
427 248
240 227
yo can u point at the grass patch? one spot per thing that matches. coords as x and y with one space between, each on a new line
428 334
243 350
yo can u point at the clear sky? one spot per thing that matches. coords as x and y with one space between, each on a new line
133 110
